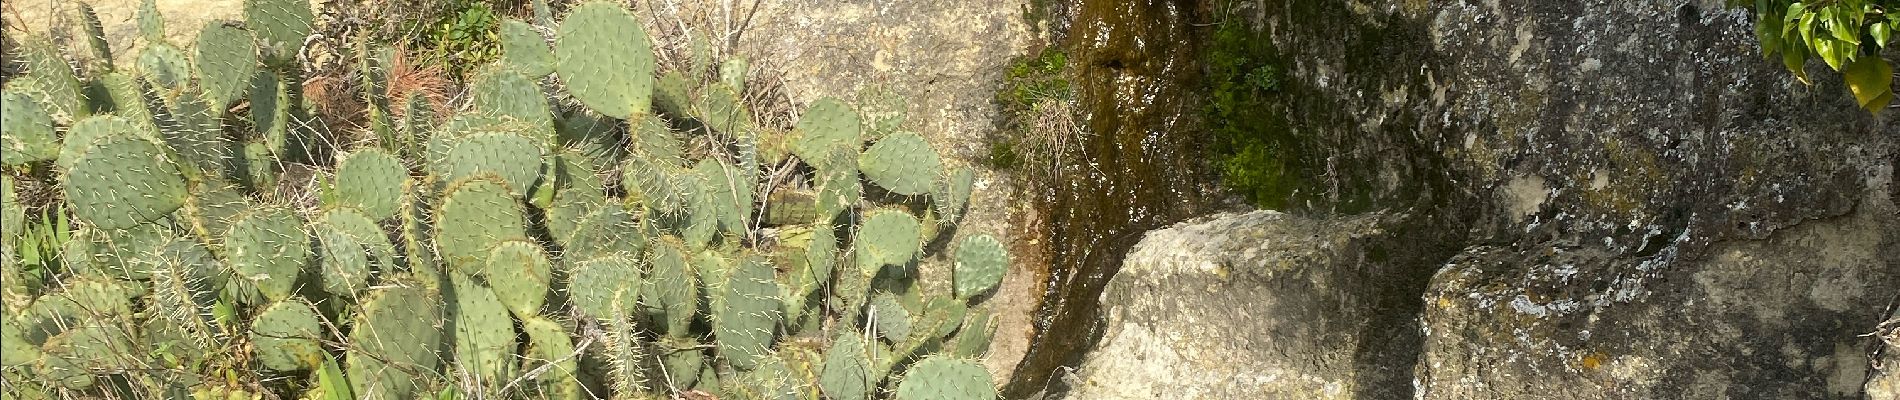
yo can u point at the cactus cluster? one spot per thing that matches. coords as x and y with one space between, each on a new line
592 225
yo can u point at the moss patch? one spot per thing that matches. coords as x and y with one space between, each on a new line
1252 141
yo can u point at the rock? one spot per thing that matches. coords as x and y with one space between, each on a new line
1885 384
1261 305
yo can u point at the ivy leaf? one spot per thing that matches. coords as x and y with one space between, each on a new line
1871 80
1881 32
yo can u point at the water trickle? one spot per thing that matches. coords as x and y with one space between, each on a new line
1141 165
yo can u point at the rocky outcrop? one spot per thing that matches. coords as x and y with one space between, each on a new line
1885 384
1260 305
1646 207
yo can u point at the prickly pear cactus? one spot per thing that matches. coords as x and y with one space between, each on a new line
280 27
121 179
371 181
981 262
395 339
268 248
520 274
606 59
902 163
285 336
524 50
476 214
888 237
226 60
746 313
846 373
26 134
945 378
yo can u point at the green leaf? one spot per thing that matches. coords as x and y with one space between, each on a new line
1871 80
330 378
1881 32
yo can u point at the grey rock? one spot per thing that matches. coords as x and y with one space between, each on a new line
1261 305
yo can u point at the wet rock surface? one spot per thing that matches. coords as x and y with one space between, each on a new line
1646 208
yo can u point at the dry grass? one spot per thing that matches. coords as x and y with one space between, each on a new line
408 76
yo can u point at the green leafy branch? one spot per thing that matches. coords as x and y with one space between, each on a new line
1848 35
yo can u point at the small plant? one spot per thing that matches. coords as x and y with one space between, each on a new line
1847 35
640 240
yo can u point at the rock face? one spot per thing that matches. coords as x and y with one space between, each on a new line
1885 384
1646 208
1260 305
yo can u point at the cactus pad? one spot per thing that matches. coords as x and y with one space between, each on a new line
981 262
606 59
902 163
226 60
267 247
484 336
285 336
826 125
345 264
395 337
604 288
165 66
26 134
889 318
476 214
746 313
720 108
839 189
280 27
681 359
548 343
524 50
520 274
945 378
122 181
509 93
516 159
952 194
846 373
371 181
672 291
887 237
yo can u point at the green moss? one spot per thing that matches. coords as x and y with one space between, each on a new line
1252 141
1029 82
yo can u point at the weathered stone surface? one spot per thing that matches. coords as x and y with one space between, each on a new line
1261 305
1885 385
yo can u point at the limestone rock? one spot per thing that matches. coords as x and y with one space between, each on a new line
1261 305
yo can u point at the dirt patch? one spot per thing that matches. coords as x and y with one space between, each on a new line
183 20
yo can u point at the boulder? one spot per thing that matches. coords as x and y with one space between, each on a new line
1261 305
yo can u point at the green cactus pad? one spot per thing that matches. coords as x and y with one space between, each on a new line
284 336
887 237
550 346
364 230
345 265
165 66
122 181
729 194
681 359
211 208
981 262
884 111
50 75
484 335
125 96
90 130
524 50
673 94
822 254
604 232
71 358
839 189
26 134
593 138
194 130
828 124
258 167
973 340
151 24
185 289
476 214
951 195
846 373
890 319
606 59
515 158
226 60
394 340
280 27
370 180
721 108
902 163
121 253
946 378
626 355
95 36
672 292
270 110
509 93
12 219
520 274
746 313
604 288
776 378
268 247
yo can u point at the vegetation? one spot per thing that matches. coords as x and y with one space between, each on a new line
1034 101
626 230
1250 138
1847 35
